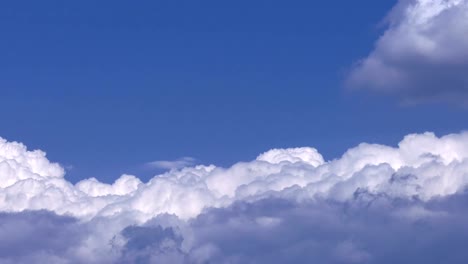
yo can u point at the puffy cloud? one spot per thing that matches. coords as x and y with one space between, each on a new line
366 229
16 164
124 185
305 155
288 205
422 165
423 54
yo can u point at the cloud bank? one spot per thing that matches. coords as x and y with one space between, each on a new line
286 206
423 54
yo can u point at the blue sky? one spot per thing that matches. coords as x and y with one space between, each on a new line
276 100
106 87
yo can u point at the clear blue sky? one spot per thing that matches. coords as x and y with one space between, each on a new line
106 86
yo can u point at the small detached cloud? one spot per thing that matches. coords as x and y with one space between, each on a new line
422 56
172 164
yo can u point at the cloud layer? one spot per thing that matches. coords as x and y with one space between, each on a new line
288 205
422 56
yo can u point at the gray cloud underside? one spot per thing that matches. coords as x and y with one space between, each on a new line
367 229
423 54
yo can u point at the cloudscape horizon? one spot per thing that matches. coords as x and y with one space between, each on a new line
204 214
234 132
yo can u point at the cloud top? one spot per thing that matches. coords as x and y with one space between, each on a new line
288 205
305 155
422 166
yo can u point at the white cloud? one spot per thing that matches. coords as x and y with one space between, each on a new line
422 56
423 165
172 164
292 155
290 193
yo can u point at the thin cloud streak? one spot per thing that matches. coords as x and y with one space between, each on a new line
172 164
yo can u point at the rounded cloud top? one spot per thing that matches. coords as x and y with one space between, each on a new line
307 155
17 163
422 166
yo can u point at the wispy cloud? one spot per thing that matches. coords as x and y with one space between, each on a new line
172 164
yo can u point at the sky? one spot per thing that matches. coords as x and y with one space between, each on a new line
234 131
107 87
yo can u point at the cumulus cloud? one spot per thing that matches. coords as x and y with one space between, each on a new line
366 229
292 155
423 54
422 166
357 231
287 205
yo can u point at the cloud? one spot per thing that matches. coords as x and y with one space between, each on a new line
366 229
287 205
422 165
172 164
39 237
292 155
423 54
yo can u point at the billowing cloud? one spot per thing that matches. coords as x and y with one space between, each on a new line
366 229
288 205
422 165
423 54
